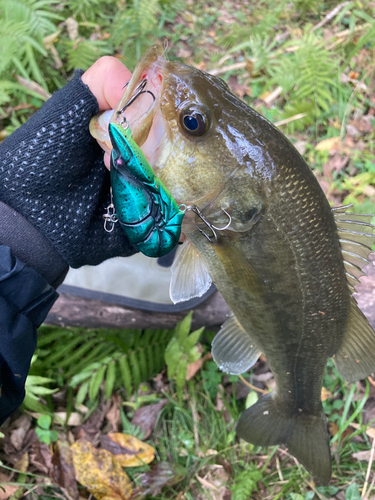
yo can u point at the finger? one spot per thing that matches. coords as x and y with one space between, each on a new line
106 79
107 161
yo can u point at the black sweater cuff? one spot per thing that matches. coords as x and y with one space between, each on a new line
30 246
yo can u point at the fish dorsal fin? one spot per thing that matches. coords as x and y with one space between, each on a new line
190 277
233 349
356 239
355 359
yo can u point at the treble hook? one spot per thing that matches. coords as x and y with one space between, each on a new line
138 91
195 209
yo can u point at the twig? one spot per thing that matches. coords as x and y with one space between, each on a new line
220 71
195 424
370 488
290 119
369 468
279 469
262 391
273 95
371 380
343 34
330 15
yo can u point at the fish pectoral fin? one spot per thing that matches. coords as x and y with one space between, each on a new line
190 277
306 436
355 359
233 350
357 236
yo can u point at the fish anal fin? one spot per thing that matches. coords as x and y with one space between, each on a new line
233 349
306 436
355 359
190 277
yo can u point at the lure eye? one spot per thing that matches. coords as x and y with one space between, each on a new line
194 121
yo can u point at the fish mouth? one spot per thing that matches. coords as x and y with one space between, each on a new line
143 115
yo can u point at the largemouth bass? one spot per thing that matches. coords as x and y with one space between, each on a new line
285 262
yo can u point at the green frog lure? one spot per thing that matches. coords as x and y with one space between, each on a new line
145 208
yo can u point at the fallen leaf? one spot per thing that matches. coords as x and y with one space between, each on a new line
193 368
237 88
370 431
336 163
41 457
34 87
147 416
72 27
17 436
128 450
6 491
161 474
333 428
325 394
74 418
100 472
23 463
113 415
362 455
328 144
62 470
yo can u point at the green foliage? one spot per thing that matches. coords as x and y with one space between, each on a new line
88 360
133 28
34 390
245 483
43 430
83 53
352 492
211 378
181 351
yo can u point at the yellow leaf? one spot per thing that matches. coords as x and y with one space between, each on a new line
23 463
100 472
328 144
129 450
325 394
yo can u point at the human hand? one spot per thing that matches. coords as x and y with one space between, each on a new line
53 169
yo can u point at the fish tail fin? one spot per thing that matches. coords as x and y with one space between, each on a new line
306 436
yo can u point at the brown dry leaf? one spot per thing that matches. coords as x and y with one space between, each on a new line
325 394
147 416
160 474
62 470
17 436
370 431
362 455
193 368
72 27
333 428
33 86
100 472
237 88
336 163
328 144
41 457
128 450
6 491
113 415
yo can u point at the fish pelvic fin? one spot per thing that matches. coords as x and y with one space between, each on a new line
190 277
355 359
233 349
306 436
356 234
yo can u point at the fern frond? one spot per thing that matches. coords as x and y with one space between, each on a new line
83 53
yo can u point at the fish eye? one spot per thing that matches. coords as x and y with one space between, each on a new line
194 121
